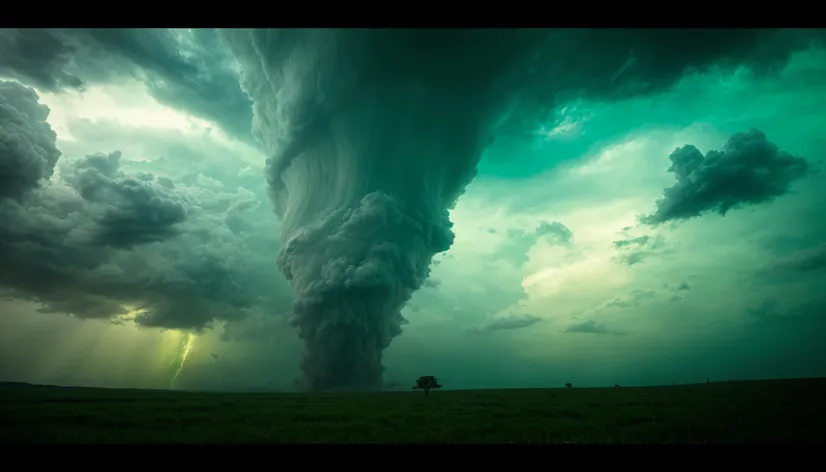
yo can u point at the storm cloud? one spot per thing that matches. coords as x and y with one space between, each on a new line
132 210
749 170
97 241
27 143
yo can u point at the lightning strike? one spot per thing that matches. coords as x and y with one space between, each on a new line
186 348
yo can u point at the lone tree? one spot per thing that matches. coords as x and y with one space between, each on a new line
426 382
568 385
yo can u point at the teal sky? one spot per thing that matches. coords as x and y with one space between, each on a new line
592 297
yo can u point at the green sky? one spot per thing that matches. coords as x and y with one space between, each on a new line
552 278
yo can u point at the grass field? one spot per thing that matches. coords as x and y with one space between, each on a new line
777 411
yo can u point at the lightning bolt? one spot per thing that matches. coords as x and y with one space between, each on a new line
189 343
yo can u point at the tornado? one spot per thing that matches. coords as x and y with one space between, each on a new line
373 135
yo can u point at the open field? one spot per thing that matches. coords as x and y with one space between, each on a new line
776 411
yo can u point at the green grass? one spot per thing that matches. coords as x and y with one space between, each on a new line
779 411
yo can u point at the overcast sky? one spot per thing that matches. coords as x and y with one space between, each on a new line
130 178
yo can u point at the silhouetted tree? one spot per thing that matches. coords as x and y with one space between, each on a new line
426 382
568 385
617 386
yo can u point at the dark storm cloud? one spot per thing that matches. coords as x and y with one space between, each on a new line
638 241
749 170
623 63
374 134
592 327
185 69
508 323
135 210
27 143
96 242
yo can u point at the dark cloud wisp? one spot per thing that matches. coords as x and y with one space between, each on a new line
634 250
508 323
592 327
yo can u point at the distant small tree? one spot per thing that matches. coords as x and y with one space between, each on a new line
617 386
426 382
568 385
